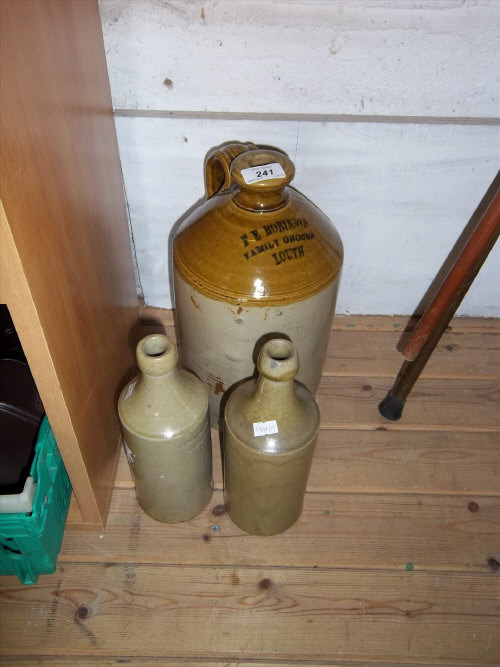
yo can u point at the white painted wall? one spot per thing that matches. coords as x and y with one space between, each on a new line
387 107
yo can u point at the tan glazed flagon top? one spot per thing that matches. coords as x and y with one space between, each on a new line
256 240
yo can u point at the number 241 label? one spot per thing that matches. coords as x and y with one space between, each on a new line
263 172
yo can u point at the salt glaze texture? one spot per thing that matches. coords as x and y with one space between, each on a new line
270 431
166 434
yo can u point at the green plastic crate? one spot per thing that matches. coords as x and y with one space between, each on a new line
30 543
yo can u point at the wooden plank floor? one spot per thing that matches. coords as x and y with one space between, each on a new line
394 561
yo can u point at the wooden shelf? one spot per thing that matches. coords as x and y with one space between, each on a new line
66 263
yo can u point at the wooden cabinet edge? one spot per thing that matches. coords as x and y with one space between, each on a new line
67 273
17 295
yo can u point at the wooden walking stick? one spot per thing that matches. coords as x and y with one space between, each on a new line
443 306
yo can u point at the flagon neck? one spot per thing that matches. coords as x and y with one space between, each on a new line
261 200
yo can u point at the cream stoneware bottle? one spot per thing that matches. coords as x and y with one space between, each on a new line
256 259
166 434
270 430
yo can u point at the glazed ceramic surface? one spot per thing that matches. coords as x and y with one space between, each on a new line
270 430
166 434
257 260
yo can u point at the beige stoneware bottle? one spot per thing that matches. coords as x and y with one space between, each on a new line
166 434
257 258
270 430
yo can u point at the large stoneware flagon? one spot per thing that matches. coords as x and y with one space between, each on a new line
256 260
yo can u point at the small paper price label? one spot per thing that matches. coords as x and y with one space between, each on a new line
265 428
263 172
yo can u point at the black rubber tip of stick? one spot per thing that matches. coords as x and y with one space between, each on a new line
391 407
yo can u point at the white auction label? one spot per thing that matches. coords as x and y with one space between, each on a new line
265 428
263 172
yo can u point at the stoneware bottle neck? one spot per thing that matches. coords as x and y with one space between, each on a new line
278 364
261 200
272 391
157 361
262 177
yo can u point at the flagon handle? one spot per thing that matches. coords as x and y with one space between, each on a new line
218 163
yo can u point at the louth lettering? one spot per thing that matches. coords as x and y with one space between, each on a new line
289 253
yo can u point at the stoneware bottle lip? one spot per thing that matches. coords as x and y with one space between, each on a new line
278 360
259 157
270 194
156 355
